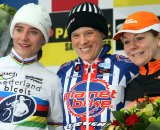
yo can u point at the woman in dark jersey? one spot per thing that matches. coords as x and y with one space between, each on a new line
140 35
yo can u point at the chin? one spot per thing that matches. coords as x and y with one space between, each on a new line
139 64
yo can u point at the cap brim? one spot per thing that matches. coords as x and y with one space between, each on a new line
119 34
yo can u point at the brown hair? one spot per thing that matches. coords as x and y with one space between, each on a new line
39 54
154 33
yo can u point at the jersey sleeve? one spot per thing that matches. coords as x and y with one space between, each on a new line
55 114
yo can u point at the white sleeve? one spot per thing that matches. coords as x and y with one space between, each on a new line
55 114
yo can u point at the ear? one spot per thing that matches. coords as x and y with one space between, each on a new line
158 39
43 42
103 36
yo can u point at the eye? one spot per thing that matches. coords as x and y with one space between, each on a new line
74 36
139 38
34 32
18 30
125 42
89 33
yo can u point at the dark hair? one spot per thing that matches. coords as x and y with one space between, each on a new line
154 33
39 54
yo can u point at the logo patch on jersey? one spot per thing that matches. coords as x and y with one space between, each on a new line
104 68
122 58
105 65
7 75
16 108
34 79
99 98
77 68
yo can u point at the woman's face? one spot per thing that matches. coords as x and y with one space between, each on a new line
141 48
27 40
87 43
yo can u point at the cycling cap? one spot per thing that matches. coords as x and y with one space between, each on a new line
139 22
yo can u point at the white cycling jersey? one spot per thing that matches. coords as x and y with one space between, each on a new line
30 95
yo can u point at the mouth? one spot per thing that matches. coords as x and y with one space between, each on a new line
24 45
137 54
86 49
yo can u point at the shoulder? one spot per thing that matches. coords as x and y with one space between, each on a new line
48 76
118 60
43 69
5 61
124 64
122 58
2 59
66 66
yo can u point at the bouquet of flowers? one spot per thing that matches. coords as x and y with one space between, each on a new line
143 114
6 15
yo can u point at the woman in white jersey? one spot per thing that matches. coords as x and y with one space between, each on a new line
30 95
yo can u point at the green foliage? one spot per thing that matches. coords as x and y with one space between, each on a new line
6 14
144 115
8 9
119 116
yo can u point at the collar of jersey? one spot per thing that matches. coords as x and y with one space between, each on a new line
19 59
152 67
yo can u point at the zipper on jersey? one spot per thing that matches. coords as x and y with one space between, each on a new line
89 69
87 97
21 77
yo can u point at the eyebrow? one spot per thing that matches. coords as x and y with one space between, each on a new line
23 27
133 33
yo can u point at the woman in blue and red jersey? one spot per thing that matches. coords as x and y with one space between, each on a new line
95 82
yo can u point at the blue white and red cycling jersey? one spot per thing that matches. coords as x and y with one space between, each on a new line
92 92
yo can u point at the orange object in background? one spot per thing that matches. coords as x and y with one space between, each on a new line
128 106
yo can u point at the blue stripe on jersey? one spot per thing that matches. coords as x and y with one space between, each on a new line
108 115
4 94
41 102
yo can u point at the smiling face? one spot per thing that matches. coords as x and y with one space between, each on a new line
87 43
141 48
27 40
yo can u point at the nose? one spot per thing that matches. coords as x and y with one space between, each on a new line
24 36
133 45
83 40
